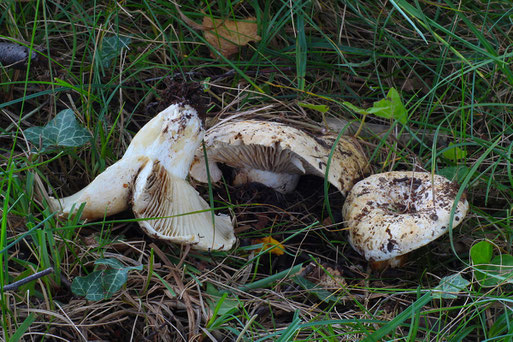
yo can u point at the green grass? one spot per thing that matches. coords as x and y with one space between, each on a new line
452 64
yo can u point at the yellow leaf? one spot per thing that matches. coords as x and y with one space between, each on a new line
269 242
228 35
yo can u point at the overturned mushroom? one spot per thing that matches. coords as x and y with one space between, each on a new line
151 175
108 193
161 191
393 213
276 155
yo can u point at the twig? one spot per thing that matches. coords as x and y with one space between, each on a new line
28 279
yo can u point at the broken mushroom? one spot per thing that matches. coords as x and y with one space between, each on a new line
161 192
108 193
393 213
276 155
151 175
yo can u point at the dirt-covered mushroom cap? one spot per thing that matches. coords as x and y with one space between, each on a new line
276 155
393 213
173 208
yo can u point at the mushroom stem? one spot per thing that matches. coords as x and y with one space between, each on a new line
394 262
281 182
106 195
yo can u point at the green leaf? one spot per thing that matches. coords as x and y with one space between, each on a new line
454 153
110 48
110 262
89 286
221 304
166 284
63 130
481 252
449 286
490 271
355 109
499 271
103 284
320 108
22 329
390 107
113 280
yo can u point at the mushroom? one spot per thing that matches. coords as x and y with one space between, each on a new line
276 155
151 175
393 213
108 193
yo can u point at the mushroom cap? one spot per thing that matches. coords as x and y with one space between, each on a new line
179 213
108 193
160 193
279 148
390 214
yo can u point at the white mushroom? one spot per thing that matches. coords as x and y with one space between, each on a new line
276 155
108 193
151 175
160 192
393 213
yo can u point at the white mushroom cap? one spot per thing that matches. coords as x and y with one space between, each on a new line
108 193
276 155
393 213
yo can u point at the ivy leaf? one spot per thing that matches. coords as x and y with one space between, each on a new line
221 303
390 107
449 286
499 271
89 286
110 262
102 284
113 280
111 46
63 130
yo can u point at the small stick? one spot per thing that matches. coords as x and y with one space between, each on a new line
28 279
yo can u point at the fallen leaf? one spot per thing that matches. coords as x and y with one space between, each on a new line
226 36
269 242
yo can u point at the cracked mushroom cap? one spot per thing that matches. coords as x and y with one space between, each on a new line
276 155
393 213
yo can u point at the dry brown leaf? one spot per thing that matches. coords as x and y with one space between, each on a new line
226 36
